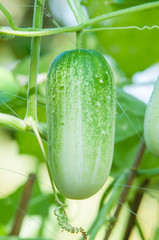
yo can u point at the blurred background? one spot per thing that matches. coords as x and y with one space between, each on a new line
134 57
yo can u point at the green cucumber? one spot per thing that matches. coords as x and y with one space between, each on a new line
81 108
151 122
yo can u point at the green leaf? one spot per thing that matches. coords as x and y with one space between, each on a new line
129 128
8 87
7 206
130 116
104 212
28 144
119 75
156 234
131 48
39 204
22 68
149 161
125 153
131 103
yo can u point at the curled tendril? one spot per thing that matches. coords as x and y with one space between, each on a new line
63 223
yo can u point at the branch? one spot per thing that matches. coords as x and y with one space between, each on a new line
126 189
19 124
32 32
24 32
122 12
23 205
134 207
14 122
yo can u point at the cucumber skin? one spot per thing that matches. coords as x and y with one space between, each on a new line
81 109
151 122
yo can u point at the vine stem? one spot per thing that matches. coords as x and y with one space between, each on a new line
31 113
74 11
126 189
82 16
134 205
34 62
14 122
34 32
9 17
122 12
35 129
20 124
62 218
23 205
78 12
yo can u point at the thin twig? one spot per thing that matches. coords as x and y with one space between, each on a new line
23 205
134 207
126 189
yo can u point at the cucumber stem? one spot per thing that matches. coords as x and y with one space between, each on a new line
34 62
78 39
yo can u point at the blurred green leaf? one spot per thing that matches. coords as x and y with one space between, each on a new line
131 103
39 204
119 76
131 48
149 161
156 234
2 230
22 68
8 86
130 116
129 128
127 3
7 206
28 144
125 153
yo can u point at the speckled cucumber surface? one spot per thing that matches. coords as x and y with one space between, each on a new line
81 108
